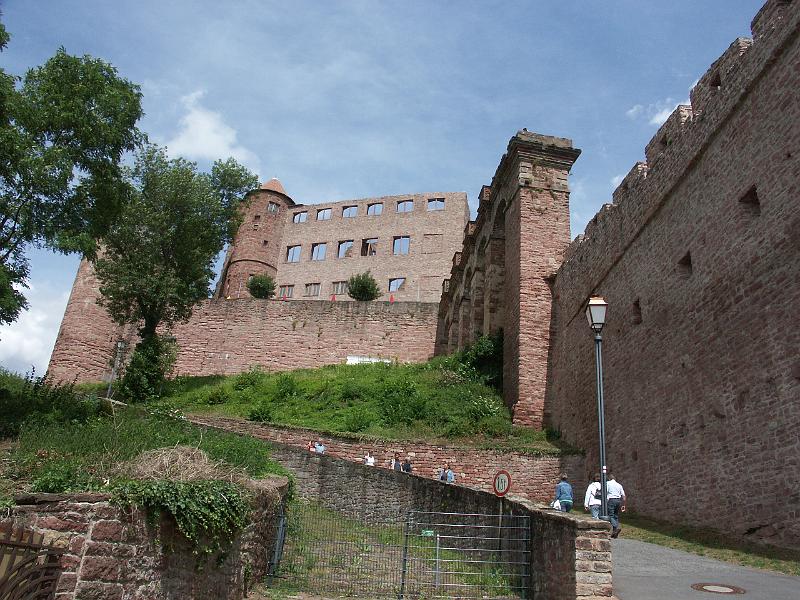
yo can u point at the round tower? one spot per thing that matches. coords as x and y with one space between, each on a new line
256 247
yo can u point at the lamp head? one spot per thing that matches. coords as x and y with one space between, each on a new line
596 313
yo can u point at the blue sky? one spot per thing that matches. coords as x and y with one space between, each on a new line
350 99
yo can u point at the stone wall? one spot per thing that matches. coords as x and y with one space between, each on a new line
699 259
533 477
113 554
230 336
570 553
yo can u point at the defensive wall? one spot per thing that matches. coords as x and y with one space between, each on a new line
570 554
113 553
699 259
231 336
534 477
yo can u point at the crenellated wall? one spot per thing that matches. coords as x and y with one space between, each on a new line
699 259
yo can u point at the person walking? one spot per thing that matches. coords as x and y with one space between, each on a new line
396 463
447 474
564 494
593 501
616 504
369 460
407 465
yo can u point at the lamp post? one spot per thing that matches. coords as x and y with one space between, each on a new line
596 315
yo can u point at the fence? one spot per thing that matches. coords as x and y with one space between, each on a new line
29 569
407 555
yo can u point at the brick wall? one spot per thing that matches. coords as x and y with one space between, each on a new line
111 553
699 259
570 553
230 336
533 477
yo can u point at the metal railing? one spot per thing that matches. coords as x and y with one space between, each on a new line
411 555
29 569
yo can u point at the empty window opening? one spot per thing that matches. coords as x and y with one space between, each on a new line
369 247
340 287
375 209
318 251
300 217
637 312
345 248
750 202
264 243
349 211
312 289
401 244
257 218
293 253
663 142
285 291
436 204
396 284
685 265
324 214
272 207
404 206
715 82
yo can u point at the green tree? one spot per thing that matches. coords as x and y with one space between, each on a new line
157 259
63 130
261 286
363 287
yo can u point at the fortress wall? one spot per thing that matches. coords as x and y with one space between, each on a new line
699 259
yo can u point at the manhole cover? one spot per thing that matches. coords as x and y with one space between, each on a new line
717 588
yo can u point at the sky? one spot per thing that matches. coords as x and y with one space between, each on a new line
344 99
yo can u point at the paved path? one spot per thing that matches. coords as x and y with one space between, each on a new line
645 571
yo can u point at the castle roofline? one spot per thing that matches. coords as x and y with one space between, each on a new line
274 185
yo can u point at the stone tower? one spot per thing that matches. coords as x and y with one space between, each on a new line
256 249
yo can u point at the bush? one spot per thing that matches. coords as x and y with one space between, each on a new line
151 362
483 361
262 412
218 395
401 402
261 286
357 420
363 287
287 387
248 379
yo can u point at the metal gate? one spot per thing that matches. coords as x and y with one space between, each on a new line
29 569
411 555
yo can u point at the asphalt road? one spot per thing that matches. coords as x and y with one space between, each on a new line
645 571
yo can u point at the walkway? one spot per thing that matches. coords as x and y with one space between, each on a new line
645 571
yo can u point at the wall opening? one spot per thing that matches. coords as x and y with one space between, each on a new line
637 312
685 265
750 202
716 81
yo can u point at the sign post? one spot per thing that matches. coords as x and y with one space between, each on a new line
502 483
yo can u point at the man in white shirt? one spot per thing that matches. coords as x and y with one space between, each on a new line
593 499
616 504
369 460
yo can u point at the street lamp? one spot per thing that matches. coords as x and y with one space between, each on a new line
596 315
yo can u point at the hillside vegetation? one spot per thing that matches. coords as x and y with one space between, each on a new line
453 398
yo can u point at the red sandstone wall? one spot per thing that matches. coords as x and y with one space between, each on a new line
702 373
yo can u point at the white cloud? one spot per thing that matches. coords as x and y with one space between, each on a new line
204 134
634 111
616 180
656 113
29 341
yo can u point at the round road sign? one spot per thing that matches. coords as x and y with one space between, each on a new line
501 483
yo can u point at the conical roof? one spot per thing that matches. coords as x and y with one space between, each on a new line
273 185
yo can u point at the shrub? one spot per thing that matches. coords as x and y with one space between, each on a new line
151 362
483 361
287 386
261 286
218 394
262 412
248 379
401 402
357 419
363 287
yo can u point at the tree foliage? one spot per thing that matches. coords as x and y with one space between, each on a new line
64 127
157 258
363 287
261 286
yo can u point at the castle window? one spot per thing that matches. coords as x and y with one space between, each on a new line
318 251
286 291
272 207
339 287
404 206
436 204
264 242
685 265
375 209
400 245
715 81
637 312
396 284
293 253
257 218
312 289
324 214
750 202
349 211
369 247
345 248
300 217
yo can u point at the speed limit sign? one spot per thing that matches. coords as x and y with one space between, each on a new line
501 483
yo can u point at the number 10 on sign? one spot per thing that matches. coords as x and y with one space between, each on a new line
501 483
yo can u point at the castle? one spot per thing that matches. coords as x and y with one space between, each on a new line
698 257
